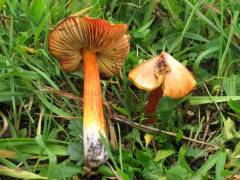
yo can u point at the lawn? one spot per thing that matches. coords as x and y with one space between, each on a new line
41 111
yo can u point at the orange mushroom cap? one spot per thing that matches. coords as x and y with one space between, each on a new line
163 70
108 41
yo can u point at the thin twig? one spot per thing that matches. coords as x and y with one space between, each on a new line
30 122
207 126
113 171
112 133
61 93
146 129
155 130
17 123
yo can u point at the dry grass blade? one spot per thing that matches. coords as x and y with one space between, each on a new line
7 153
62 93
5 124
19 173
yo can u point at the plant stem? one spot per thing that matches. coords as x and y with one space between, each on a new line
93 118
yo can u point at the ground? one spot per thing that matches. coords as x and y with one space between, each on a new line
196 137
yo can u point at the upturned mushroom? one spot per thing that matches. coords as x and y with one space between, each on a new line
101 47
162 76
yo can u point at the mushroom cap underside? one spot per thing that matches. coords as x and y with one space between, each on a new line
108 41
163 70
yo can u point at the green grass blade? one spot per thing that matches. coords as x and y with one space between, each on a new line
222 62
212 160
179 40
1 4
52 157
220 165
198 100
52 107
202 16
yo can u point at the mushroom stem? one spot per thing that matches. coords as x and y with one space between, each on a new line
93 118
153 100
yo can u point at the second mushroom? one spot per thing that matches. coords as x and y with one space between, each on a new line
99 46
162 75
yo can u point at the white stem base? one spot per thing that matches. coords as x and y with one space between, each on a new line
94 150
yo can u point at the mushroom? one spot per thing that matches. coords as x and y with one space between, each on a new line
102 48
162 76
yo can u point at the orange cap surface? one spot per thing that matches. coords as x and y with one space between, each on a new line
163 70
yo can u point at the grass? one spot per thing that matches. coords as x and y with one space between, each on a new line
40 105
